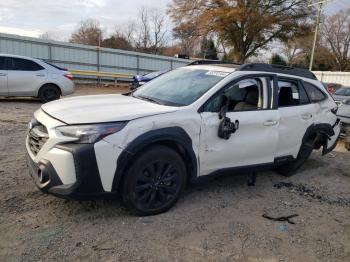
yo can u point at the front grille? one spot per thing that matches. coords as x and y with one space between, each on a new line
37 137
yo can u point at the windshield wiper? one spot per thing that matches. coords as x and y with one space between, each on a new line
150 99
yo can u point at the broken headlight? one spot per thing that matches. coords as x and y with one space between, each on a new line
88 134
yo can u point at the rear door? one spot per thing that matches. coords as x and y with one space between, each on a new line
25 77
296 115
3 76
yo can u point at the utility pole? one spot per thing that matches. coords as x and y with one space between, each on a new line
320 4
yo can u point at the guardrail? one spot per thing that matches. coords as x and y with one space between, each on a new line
99 75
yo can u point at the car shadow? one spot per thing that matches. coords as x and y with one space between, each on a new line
20 99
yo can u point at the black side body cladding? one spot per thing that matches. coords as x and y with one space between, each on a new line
171 136
88 177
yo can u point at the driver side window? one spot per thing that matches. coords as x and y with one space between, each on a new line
245 95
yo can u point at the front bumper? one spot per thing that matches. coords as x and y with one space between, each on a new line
88 182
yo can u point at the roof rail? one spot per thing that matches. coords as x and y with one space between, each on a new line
278 69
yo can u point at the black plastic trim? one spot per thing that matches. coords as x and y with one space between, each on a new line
163 135
234 170
278 69
86 169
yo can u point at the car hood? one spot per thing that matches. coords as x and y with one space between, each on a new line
102 108
340 98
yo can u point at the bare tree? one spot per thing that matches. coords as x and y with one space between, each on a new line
47 36
89 32
150 31
158 40
143 33
336 36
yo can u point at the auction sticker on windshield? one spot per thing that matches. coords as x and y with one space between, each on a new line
217 73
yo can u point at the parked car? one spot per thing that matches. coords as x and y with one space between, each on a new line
25 76
332 87
344 111
190 123
140 80
342 94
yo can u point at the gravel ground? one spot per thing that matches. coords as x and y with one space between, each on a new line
220 220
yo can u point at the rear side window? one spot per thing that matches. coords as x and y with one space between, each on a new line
291 94
55 66
19 64
2 63
314 93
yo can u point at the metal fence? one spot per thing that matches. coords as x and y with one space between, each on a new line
334 77
87 58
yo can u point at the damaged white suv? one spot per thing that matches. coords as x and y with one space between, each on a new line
187 124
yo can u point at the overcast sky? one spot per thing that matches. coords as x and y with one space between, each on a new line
60 17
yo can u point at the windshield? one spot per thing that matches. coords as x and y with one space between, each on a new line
180 87
343 92
154 74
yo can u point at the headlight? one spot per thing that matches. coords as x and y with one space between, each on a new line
346 102
88 134
142 83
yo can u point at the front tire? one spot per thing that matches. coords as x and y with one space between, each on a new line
154 182
49 93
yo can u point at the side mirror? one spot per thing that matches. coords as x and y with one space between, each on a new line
226 127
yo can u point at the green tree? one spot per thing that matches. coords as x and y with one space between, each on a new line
117 41
276 59
208 49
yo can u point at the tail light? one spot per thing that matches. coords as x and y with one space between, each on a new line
69 76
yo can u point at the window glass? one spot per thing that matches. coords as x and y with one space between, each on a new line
290 94
314 93
244 95
179 87
344 91
55 66
20 64
2 63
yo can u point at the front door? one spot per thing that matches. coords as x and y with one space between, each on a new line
254 142
3 76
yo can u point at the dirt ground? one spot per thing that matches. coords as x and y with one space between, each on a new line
219 220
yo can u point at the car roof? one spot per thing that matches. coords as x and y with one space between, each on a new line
18 56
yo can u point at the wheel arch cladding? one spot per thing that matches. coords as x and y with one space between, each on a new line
318 134
174 137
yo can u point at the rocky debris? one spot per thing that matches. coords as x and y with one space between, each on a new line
313 192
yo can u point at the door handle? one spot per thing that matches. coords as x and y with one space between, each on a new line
3 74
270 123
41 75
306 116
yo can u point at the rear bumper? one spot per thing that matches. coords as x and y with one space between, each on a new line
88 183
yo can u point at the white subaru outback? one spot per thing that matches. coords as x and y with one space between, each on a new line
187 124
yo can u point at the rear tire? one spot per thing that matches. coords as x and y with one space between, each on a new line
49 93
290 168
154 182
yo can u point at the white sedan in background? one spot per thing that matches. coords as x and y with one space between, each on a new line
25 76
